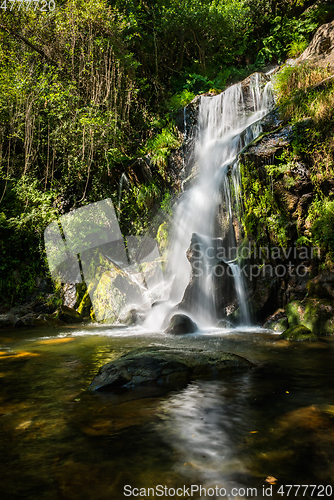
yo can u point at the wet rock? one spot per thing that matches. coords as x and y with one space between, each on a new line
69 315
265 295
8 320
224 298
139 172
271 121
247 86
181 324
186 119
223 323
264 149
277 325
315 314
166 367
298 333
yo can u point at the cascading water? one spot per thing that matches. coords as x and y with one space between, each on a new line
226 124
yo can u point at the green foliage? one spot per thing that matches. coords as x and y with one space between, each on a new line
286 35
321 218
296 47
27 212
181 99
264 218
86 87
160 146
147 194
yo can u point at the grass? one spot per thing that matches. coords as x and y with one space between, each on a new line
298 96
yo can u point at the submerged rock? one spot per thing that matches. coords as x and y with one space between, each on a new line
165 367
181 324
298 333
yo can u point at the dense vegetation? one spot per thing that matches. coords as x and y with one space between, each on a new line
90 86
272 216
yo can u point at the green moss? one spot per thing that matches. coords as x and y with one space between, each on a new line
315 314
298 333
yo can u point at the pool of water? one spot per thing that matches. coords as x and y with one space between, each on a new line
264 428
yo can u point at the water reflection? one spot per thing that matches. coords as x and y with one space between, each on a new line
204 422
60 442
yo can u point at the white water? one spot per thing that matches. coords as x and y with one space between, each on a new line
225 126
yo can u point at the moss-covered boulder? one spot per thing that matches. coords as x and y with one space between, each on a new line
298 333
165 367
115 292
315 314
277 325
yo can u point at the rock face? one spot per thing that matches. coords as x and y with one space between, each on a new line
223 292
321 48
322 286
299 333
263 150
181 324
165 367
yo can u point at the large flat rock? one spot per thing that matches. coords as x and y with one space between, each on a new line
165 367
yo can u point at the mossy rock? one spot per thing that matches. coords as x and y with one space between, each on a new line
278 325
165 367
163 237
85 305
315 314
298 333
113 294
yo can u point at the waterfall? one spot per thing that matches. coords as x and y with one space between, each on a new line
226 124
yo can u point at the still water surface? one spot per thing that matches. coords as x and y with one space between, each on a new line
59 441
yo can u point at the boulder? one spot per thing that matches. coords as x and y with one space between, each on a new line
321 48
277 325
298 333
181 324
69 315
165 367
8 320
41 320
315 314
